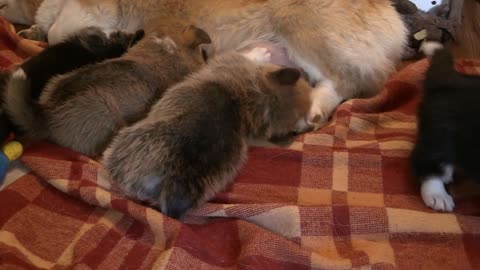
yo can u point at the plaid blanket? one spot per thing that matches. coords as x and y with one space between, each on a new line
339 198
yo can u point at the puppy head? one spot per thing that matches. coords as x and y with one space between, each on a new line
285 106
191 41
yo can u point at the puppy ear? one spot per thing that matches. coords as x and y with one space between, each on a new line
196 36
206 50
285 76
137 37
91 38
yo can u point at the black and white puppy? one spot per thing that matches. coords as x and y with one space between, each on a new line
23 87
89 46
448 128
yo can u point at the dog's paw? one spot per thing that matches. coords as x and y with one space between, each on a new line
259 55
435 196
324 101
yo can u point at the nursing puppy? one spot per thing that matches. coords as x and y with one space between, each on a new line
88 47
448 129
83 110
347 48
25 85
194 140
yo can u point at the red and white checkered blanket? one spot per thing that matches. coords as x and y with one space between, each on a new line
339 198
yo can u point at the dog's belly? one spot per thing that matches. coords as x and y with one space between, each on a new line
279 53
279 56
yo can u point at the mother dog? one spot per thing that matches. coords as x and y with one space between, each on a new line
348 48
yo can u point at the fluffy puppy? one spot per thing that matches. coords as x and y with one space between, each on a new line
448 129
89 46
83 109
194 140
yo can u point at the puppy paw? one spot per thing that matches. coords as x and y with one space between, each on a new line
259 55
33 33
324 101
435 196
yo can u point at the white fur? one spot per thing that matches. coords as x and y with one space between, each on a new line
14 11
302 125
259 55
167 43
429 47
47 13
314 74
324 101
433 191
19 74
15 101
63 26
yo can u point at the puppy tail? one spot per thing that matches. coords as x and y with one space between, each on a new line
442 67
22 111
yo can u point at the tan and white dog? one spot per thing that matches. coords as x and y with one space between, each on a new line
347 48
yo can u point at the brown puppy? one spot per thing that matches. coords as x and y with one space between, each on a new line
194 140
84 109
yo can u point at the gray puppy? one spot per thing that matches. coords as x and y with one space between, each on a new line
194 140
84 109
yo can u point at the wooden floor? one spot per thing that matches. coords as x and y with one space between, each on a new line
467 42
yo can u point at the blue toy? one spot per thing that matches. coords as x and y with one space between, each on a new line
10 152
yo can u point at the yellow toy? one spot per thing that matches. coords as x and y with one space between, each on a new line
10 152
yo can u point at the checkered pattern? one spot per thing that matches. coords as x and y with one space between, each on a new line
339 198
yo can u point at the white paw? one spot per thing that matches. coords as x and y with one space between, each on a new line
324 101
259 55
435 196
429 47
